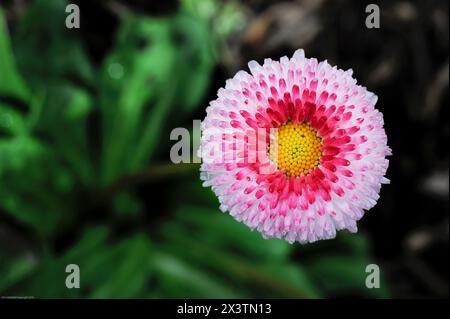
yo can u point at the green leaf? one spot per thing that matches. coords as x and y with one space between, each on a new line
339 274
197 58
118 270
34 185
18 152
236 253
127 205
216 228
147 58
160 70
11 83
46 49
65 108
128 278
181 280
14 270
294 276
12 121
93 239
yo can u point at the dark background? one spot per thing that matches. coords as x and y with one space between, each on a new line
74 191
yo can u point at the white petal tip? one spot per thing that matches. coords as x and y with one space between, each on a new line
253 66
299 54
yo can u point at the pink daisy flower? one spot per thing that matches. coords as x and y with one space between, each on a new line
296 149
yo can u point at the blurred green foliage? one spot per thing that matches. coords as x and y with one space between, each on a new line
55 169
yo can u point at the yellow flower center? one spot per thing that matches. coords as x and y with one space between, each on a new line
296 148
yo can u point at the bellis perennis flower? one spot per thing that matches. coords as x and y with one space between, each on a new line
296 149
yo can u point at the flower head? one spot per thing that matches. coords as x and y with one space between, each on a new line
296 149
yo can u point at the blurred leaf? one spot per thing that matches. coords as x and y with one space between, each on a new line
220 229
106 270
196 196
126 204
197 60
257 278
202 9
340 274
130 274
231 19
345 273
91 240
34 185
161 66
293 275
180 280
12 121
14 270
147 58
79 106
11 83
236 253
17 152
47 281
224 18
66 109
46 49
